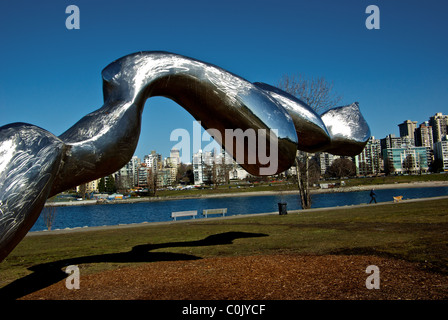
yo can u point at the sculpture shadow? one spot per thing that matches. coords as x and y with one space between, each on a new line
46 274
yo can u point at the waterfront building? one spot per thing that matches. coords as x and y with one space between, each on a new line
325 160
143 173
171 164
213 167
153 160
237 172
406 160
198 167
91 186
127 177
441 152
407 128
369 160
424 136
166 177
391 141
439 124
174 158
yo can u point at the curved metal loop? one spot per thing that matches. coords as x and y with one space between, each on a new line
262 127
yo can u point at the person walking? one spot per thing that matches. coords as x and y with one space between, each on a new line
372 196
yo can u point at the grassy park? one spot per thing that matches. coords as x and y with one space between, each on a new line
413 231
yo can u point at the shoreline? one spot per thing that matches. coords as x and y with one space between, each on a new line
424 184
159 223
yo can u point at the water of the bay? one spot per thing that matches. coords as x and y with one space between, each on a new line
156 211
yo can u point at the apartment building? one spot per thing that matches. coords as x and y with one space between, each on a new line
407 128
439 124
369 160
406 160
441 152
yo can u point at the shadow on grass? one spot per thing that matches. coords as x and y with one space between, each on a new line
429 258
46 274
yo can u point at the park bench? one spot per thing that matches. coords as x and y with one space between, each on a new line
222 211
176 214
398 199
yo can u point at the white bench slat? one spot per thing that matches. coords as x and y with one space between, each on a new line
222 211
192 213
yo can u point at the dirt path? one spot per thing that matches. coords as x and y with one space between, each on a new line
257 277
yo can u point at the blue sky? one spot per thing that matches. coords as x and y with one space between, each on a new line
51 76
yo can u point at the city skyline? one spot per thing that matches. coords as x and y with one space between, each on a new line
416 150
51 75
208 143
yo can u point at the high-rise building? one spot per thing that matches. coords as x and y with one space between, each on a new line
407 128
423 135
153 160
202 161
172 163
143 173
439 124
174 157
166 177
127 177
369 160
198 167
391 141
325 160
441 152
215 167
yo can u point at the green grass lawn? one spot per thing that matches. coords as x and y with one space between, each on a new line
414 231
396 179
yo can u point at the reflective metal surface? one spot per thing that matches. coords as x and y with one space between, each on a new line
311 131
34 164
103 141
29 160
340 131
348 129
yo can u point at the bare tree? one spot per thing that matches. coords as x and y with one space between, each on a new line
123 183
315 92
215 177
308 173
49 214
83 190
226 168
318 94
152 178
342 167
185 174
409 163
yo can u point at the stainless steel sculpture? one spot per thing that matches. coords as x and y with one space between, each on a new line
35 164
341 131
